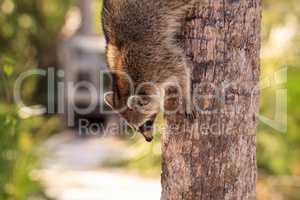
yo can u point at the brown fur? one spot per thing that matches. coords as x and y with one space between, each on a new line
141 42
114 58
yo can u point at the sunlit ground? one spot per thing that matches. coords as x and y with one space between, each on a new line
73 170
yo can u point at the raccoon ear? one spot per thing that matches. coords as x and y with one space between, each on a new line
108 99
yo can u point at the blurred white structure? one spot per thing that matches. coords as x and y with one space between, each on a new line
82 57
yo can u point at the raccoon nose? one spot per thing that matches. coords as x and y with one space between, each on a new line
149 139
147 126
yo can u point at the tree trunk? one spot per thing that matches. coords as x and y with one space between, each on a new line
214 158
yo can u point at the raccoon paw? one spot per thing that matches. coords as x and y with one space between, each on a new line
190 114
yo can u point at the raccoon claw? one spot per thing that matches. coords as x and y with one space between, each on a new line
189 111
190 116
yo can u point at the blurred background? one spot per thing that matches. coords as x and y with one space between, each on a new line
50 151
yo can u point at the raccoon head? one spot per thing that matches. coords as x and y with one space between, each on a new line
139 111
137 106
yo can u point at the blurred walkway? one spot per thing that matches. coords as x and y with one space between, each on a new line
72 171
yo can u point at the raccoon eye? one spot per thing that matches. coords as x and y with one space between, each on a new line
143 101
142 93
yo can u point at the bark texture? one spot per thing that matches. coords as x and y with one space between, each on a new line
214 158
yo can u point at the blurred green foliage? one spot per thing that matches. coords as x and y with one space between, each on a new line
278 152
19 154
30 30
28 36
29 27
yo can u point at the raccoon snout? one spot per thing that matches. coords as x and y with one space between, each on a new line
146 130
147 126
149 139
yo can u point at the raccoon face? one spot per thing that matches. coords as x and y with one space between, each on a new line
139 111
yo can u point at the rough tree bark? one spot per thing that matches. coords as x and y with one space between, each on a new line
214 158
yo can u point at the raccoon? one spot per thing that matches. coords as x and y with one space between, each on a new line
145 58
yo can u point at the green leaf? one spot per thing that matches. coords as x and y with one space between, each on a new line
8 70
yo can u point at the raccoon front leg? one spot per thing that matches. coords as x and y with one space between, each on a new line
187 94
181 78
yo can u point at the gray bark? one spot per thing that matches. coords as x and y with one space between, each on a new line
214 158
